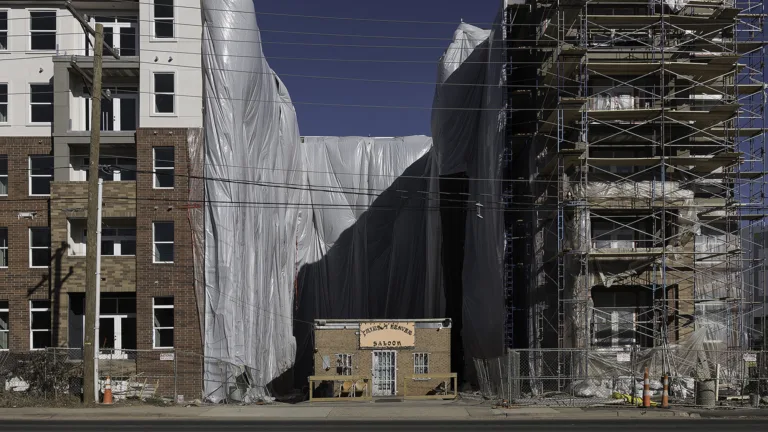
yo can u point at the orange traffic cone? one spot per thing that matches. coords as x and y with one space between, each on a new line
107 392
665 395
646 391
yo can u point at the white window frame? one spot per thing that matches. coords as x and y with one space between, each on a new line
29 166
7 102
155 328
7 309
29 29
31 247
7 30
344 362
117 239
5 176
612 316
154 37
30 104
155 168
155 242
420 363
4 248
32 331
155 93
129 20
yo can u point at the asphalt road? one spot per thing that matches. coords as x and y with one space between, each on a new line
698 425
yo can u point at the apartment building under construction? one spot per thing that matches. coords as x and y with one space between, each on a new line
634 168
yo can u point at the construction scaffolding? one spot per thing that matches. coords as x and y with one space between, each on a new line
635 178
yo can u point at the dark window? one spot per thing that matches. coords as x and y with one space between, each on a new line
164 167
42 29
40 324
39 247
41 103
3 102
3 175
3 247
164 19
5 327
3 30
162 311
163 241
165 93
40 175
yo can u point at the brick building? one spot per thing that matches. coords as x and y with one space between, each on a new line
150 123
393 353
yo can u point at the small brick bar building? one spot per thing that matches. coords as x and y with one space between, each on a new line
390 352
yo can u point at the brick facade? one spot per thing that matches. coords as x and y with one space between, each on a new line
19 283
174 280
120 274
434 341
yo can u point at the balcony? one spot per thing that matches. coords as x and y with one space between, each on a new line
72 78
68 199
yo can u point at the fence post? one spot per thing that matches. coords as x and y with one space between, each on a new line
175 376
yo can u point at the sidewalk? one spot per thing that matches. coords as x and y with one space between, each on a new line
349 411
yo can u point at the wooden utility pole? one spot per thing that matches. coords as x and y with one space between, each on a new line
90 381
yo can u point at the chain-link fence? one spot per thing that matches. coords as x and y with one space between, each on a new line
590 377
170 375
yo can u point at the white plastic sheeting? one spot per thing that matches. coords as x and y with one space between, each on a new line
372 249
337 227
251 220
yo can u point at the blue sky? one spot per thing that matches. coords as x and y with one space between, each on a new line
324 120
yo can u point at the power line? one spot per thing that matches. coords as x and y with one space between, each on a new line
329 104
335 173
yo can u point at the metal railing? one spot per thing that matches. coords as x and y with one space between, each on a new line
579 377
339 388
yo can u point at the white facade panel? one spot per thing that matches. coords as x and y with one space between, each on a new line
180 55
21 66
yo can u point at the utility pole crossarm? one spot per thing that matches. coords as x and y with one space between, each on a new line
88 29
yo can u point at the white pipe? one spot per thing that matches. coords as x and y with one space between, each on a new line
98 295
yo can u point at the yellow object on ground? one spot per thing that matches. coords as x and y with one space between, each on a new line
633 400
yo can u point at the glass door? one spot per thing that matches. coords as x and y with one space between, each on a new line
116 336
119 113
119 32
384 373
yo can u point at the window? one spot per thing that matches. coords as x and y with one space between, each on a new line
163 167
40 175
163 13
420 363
40 103
118 241
3 175
3 102
113 169
4 325
3 30
39 247
39 324
165 90
162 236
42 30
343 364
622 316
162 324
3 247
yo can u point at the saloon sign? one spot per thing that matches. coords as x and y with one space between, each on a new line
382 335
